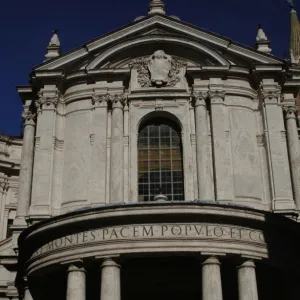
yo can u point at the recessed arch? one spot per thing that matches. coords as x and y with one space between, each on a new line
154 39
159 114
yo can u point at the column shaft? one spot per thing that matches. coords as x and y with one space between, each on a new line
76 289
247 281
204 169
110 281
26 169
211 280
126 153
294 152
117 154
99 151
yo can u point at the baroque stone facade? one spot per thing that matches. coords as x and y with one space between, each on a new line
162 150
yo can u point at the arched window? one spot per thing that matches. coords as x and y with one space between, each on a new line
160 160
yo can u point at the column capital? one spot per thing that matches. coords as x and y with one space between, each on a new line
270 95
109 262
117 100
213 260
47 100
200 97
76 267
4 185
100 100
247 264
290 112
217 96
29 118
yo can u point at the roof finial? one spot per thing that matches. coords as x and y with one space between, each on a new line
262 42
157 7
291 2
54 46
295 36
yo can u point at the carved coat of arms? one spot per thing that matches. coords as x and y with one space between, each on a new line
159 66
158 70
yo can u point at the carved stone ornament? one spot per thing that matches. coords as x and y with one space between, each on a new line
46 101
200 97
100 100
290 111
217 95
158 70
29 117
115 99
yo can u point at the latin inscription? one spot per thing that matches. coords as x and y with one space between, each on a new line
162 231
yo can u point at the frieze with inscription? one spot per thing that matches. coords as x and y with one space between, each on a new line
131 233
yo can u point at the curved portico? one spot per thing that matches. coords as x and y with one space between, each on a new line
217 238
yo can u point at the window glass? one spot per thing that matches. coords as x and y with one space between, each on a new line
160 161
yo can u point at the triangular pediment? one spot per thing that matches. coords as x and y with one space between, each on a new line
153 31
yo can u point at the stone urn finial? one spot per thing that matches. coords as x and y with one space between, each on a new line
53 49
157 7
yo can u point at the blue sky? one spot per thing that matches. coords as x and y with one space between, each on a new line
25 30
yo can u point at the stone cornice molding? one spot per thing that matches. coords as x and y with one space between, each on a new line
180 27
140 40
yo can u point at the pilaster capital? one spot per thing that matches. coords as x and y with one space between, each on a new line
29 118
217 96
117 100
45 101
200 97
290 112
270 95
3 185
100 100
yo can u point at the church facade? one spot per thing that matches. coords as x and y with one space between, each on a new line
160 160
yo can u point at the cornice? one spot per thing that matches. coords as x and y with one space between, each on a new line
186 29
146 39
25 92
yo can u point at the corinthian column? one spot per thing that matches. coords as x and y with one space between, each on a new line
117 151
294 150
211 280
110 280
26 169
247 281
76 289
204 166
